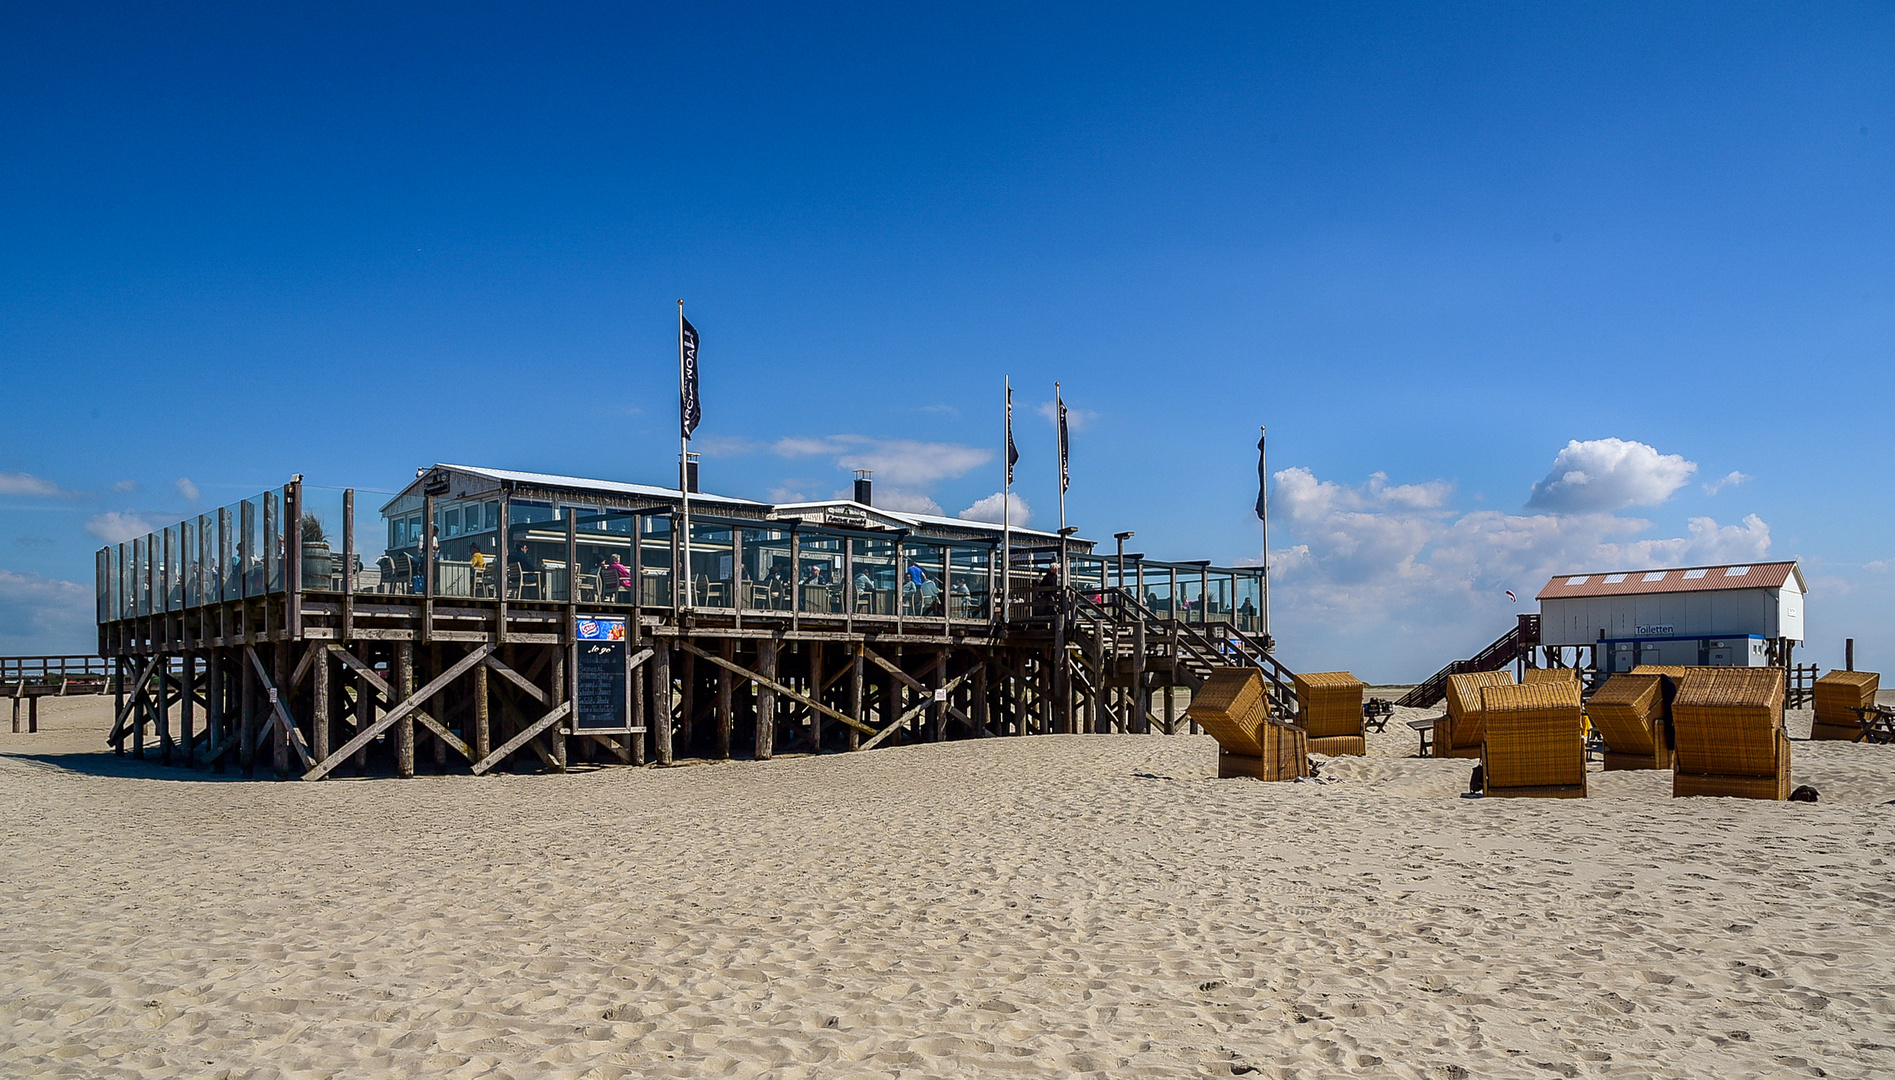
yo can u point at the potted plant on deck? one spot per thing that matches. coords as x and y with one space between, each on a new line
316 560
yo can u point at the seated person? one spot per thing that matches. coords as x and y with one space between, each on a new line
614 576
524 558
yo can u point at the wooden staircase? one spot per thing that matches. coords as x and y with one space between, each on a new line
1510 647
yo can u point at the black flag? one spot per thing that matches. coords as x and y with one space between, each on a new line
1013 452
1263 480
1065 476
690 409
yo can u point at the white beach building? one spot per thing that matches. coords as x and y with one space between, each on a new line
1746 615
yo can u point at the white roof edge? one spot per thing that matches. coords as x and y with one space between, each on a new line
559 480
917 519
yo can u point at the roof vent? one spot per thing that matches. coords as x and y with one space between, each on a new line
864 489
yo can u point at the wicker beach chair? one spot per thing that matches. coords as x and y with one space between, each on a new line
1729 731
1232 708
1673 672
1629 711
1557 675
1330 705
1838 695
1458 734
1534 744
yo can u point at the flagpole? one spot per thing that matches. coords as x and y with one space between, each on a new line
1059 421
684 468
1006 507
1263 497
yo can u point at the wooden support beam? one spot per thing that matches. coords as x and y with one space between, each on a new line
766 699
302 667
483 715
914 683
732 667
289 736
558 734
406 707
661 701
856 664
527 734
126 709
247 734
404 722
814 651
724 706
319 710
523 682
187 719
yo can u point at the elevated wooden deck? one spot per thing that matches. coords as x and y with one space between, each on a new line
325 679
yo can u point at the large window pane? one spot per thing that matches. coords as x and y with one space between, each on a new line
654 561
820 584
766 583
712 553
874 582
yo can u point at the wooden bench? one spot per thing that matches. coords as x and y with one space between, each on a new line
1878 724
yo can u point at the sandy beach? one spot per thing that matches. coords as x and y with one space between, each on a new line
1055 906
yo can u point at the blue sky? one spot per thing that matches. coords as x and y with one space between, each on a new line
1433 249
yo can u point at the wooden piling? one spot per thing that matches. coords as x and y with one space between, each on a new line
404 727
855 695
661 700
557 733
187 710
728 649
815 650
247 704
766 699
280 746
483 715
319 719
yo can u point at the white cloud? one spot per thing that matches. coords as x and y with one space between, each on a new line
1603 475
989 509
188 490
40 615
125 485
19 483
894 461
115 527
1386 576
906 502
723 446
1730 479
1076 419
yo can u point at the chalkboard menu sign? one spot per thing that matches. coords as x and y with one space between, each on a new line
599 696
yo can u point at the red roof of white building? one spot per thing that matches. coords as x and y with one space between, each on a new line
1683 579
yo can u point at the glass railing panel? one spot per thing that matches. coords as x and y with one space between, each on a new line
654 562
766 578
607 570
819 583
874 583
188 557
712 568
970 583
320 538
